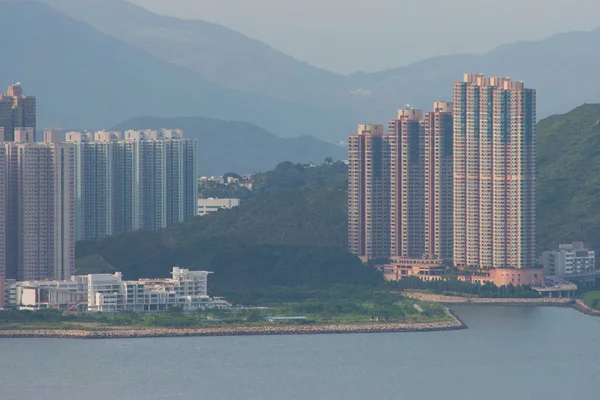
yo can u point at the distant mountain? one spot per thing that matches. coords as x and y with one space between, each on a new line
85 79
238 146
222 55
568 180
563 69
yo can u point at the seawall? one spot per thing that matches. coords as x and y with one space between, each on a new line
580 306
454 324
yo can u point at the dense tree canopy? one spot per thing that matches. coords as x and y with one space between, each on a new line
290 231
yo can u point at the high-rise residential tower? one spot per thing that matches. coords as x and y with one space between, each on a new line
400 188
437 182
145 180
369 193
40 228
494 173
94 186
421 192
16 111
2 220
406 194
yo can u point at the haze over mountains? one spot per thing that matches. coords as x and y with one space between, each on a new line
238 146
125 61
85 79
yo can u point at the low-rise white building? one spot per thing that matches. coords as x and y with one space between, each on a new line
569 259
109 293
207 206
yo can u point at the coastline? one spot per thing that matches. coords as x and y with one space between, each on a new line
454 300
454 324
575 304
581 307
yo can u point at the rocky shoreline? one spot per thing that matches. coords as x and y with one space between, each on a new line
581 307
454 324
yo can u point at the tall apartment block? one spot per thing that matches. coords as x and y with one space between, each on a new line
2 219
39 207
94 189
145 180
494 173
400 187
369 193
421 192
16 111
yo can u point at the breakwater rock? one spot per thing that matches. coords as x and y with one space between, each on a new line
580 306
383 327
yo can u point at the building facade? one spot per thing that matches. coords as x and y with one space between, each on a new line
16 111
207 206
400 188
568 259
39 206
2 221
144 180
494 173
369 193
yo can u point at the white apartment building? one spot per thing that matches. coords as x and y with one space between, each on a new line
140 180
207 206
569 259
109 293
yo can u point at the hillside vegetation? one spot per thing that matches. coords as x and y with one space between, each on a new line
291 232
568 180
292 228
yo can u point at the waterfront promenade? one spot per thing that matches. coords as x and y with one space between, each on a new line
576 304
438 298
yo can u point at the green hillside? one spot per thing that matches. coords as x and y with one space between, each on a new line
290 232
568 178
292 228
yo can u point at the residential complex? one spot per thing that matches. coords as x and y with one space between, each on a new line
207 206
16 111
455 186
400 188
568 260
144 180
109 293
494 173
369 193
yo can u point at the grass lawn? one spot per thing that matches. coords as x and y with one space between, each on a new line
592 299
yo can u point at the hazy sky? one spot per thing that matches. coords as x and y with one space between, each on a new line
350 35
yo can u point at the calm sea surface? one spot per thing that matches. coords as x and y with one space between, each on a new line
508 353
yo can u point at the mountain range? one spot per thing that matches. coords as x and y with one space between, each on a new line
562 68
231 146
93 63
85 79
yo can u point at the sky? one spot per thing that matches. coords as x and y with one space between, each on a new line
368 35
